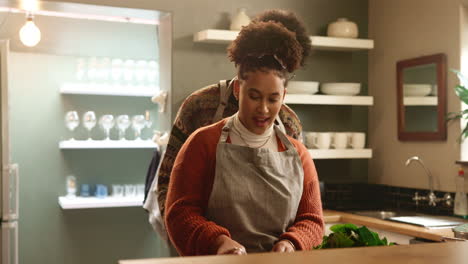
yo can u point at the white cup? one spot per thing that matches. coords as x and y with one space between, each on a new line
340 140
117 190
323 140
357 140
130 190
349 135
309 139
140 190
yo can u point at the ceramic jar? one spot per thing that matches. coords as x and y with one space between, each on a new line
239 20
342 28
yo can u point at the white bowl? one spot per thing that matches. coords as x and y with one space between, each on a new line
417 89
296 87
341 88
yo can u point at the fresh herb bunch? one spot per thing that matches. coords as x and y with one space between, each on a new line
462 93
349 235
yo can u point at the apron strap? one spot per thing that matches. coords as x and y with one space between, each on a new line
282 136
280 124
224 93
226 129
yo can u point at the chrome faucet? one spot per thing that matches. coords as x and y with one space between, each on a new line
431 197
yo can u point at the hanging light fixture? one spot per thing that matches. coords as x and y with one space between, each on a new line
30 34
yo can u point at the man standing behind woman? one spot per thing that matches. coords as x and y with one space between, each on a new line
242 185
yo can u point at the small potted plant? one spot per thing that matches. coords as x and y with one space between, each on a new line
462 92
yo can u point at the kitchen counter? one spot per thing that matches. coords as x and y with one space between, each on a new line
433 253
331 216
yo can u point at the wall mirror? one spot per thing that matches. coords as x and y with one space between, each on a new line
421 98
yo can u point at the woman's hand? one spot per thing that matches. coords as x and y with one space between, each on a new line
283 246
225 245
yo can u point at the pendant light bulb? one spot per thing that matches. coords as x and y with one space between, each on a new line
30 34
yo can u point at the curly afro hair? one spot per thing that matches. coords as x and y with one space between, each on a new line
292 22
266 46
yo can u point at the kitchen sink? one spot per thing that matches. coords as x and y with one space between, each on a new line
412 218
383 214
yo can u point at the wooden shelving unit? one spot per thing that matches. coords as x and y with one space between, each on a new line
111 90
95 202
340 153
107 144
341 44
328 99
420 100
217 36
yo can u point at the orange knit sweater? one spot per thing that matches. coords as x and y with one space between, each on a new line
190 188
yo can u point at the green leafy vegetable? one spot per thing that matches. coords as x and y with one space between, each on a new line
342 228
349 235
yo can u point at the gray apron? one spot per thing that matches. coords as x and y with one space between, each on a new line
256 191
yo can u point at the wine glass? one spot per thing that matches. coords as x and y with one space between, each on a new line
89 121
123 122
80 69
152 73
117 70
92 69
107 122
129 71
104 69
140 71
138 123
72 120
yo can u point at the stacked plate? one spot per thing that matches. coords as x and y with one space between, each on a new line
337 88
341 88
297 87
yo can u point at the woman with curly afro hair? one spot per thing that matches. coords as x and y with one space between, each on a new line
242 185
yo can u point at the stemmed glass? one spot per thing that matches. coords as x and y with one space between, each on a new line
152 74
80 69
89 121
140 71
72 120
129 71
117 70
107 122
138 123
123 122
104 69
92 69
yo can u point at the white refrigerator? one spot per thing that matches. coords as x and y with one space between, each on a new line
9 172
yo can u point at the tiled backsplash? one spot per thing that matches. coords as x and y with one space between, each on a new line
357 196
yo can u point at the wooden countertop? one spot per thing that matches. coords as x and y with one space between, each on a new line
432 253
405 229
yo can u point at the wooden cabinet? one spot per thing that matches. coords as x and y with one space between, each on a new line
216 36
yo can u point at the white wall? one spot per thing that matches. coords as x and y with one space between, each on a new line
407 29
